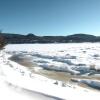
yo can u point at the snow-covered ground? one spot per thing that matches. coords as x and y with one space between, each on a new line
80 59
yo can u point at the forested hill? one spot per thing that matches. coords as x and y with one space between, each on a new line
31 38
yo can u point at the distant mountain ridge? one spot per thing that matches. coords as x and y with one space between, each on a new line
31 38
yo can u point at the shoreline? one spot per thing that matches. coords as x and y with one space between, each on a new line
61 76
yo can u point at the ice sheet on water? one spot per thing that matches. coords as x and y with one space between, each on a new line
77 58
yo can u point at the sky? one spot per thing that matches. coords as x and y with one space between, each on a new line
50 17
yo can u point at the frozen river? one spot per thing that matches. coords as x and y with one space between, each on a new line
64 62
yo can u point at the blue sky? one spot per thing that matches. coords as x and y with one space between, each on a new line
50 17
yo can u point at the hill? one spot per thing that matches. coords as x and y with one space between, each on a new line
31 38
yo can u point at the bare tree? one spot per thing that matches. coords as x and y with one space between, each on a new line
2 42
